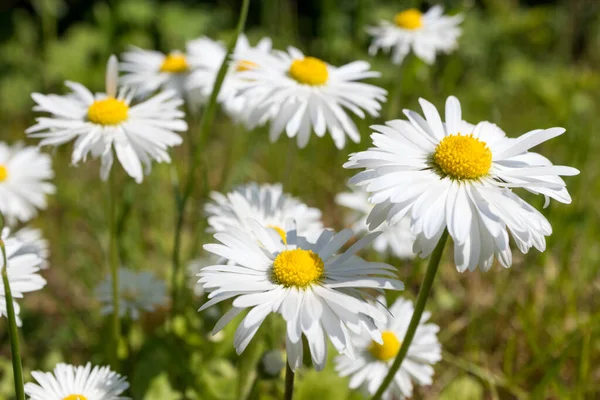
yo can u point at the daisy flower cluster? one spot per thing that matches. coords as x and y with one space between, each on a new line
424 178
290 91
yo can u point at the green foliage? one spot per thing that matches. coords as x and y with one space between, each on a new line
532 329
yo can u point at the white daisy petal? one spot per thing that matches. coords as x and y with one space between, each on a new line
300 285
460 183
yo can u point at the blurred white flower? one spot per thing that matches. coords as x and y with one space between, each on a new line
209 55
148 71
138 292
265 203
397 238
373 359
34 242
427 34
458 176
308 283
23 272
24 175
302 94
69 382
139 134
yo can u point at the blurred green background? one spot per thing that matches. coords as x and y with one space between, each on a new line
530 331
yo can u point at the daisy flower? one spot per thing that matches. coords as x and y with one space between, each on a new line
265 203
98 123
427 34
23 272
69 382
459 177
24 176
302 94
33 242
204 77
138 292
397 239
148 71
373 359
316 289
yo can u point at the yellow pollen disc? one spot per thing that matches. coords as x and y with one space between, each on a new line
387 350
281 232
299 268
3 173
462 157
175 63
109 111
75 397
309 71
409 19
245 65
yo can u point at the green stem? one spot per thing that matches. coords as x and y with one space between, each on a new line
114 268
432 267
206 123
13 333
289 382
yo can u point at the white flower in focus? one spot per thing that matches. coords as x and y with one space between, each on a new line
138 292
23 272
426 34
299 95
24 175
459 176
33 242
148 71
315 289
265 203
139 133
69 382
397 238
373 360
209 55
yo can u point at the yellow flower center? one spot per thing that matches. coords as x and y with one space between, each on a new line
309 71
245 65
462 157
174 63
75 397
409 19
281 232
108 111
387 350
299 268
3 173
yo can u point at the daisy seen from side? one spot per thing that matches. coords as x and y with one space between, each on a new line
265 203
